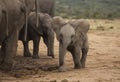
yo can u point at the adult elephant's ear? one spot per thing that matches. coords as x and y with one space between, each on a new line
80 25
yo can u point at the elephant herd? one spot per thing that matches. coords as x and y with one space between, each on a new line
27 20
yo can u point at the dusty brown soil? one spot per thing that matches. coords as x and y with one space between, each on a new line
102 65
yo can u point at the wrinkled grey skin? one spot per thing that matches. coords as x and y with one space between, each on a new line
46 6
72 36
12 12
35 33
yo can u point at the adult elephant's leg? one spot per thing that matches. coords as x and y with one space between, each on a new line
36 42
9 51
26 49
0 54
49 42
2 50
0 21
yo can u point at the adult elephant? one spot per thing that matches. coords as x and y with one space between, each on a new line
12 16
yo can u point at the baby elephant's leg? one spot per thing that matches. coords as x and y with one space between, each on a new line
76 57
36 42
84 55
84 52
49 42
26 49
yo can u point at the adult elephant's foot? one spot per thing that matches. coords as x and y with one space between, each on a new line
6 66
35 57
27 55
51 55
1 56
62 69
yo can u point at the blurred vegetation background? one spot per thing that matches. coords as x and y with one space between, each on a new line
99 9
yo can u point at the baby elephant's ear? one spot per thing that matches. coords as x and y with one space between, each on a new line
57 23
80 25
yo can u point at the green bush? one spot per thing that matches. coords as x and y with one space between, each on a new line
105 9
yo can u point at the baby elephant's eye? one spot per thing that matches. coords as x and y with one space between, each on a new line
61 41
61 36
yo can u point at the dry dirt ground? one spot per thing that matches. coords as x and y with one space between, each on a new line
102 65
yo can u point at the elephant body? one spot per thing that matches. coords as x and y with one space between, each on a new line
15 10
35 33
72 36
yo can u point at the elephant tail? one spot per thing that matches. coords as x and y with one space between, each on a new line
24 10
36 8
26 25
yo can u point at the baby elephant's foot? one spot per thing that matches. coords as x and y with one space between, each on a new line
83 65
78 66
62 69
27 55
51 55
35 57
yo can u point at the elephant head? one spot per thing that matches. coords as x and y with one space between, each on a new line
45 20
65 32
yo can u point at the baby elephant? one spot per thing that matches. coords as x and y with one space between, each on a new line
35 33
72 36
